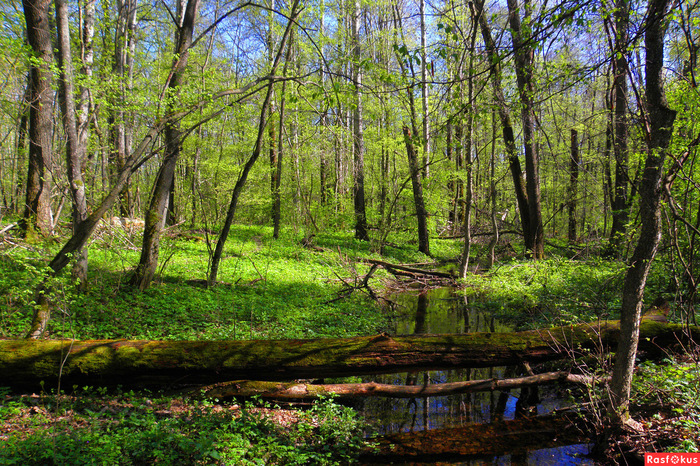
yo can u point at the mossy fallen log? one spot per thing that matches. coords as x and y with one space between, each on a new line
25 363
515 437
307 391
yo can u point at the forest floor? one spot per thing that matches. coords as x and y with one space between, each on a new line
285 289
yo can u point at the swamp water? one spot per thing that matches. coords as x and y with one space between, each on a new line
444 311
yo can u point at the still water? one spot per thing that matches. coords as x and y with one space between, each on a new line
445 311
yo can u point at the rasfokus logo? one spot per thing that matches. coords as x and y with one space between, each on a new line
672 458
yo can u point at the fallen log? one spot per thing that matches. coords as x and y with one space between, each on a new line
307 391
516 437
404 270
25 363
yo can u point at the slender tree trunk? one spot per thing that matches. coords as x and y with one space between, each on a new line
277 168
118 128
358 146
466 249
523 51
573 185
75 149
257 148
660 118
508 134
620 203
158 207
37 209
421 214
424 91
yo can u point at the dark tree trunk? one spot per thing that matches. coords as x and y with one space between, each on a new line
421 214
660 118
573 185
37 209
620 203
523 51
508 134
162 190
358 146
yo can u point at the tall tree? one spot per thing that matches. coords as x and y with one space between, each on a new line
358 138
257 148
75 148
37 209
619 202
504 116
660 119
523 52
156 214
120 132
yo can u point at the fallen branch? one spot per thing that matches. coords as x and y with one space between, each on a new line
305 391
404 270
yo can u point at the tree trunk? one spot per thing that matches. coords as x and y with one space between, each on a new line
619 202
500 438
75 150
119 131
523 51
37 209
257 148
25 363
421 214
573 185
660 118
358 146
508 134
158 207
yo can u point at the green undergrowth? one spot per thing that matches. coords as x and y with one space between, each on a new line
92 426
267 289
667 395
554 291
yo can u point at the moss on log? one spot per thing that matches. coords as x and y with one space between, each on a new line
24 363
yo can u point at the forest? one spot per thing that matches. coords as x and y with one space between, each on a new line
215 216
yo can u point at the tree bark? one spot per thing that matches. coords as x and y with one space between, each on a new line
504 115
25 363
661 119
75 150
523 51
162 189
418 201
619 202
37 208
309 391
573 185
358 146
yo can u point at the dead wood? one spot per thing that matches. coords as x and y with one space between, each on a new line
407 271
103 362
306 391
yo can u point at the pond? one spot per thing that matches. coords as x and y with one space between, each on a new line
445 310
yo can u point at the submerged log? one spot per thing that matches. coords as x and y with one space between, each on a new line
25 363
516 437
306 391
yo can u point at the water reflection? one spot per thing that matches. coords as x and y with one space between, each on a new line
444 311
